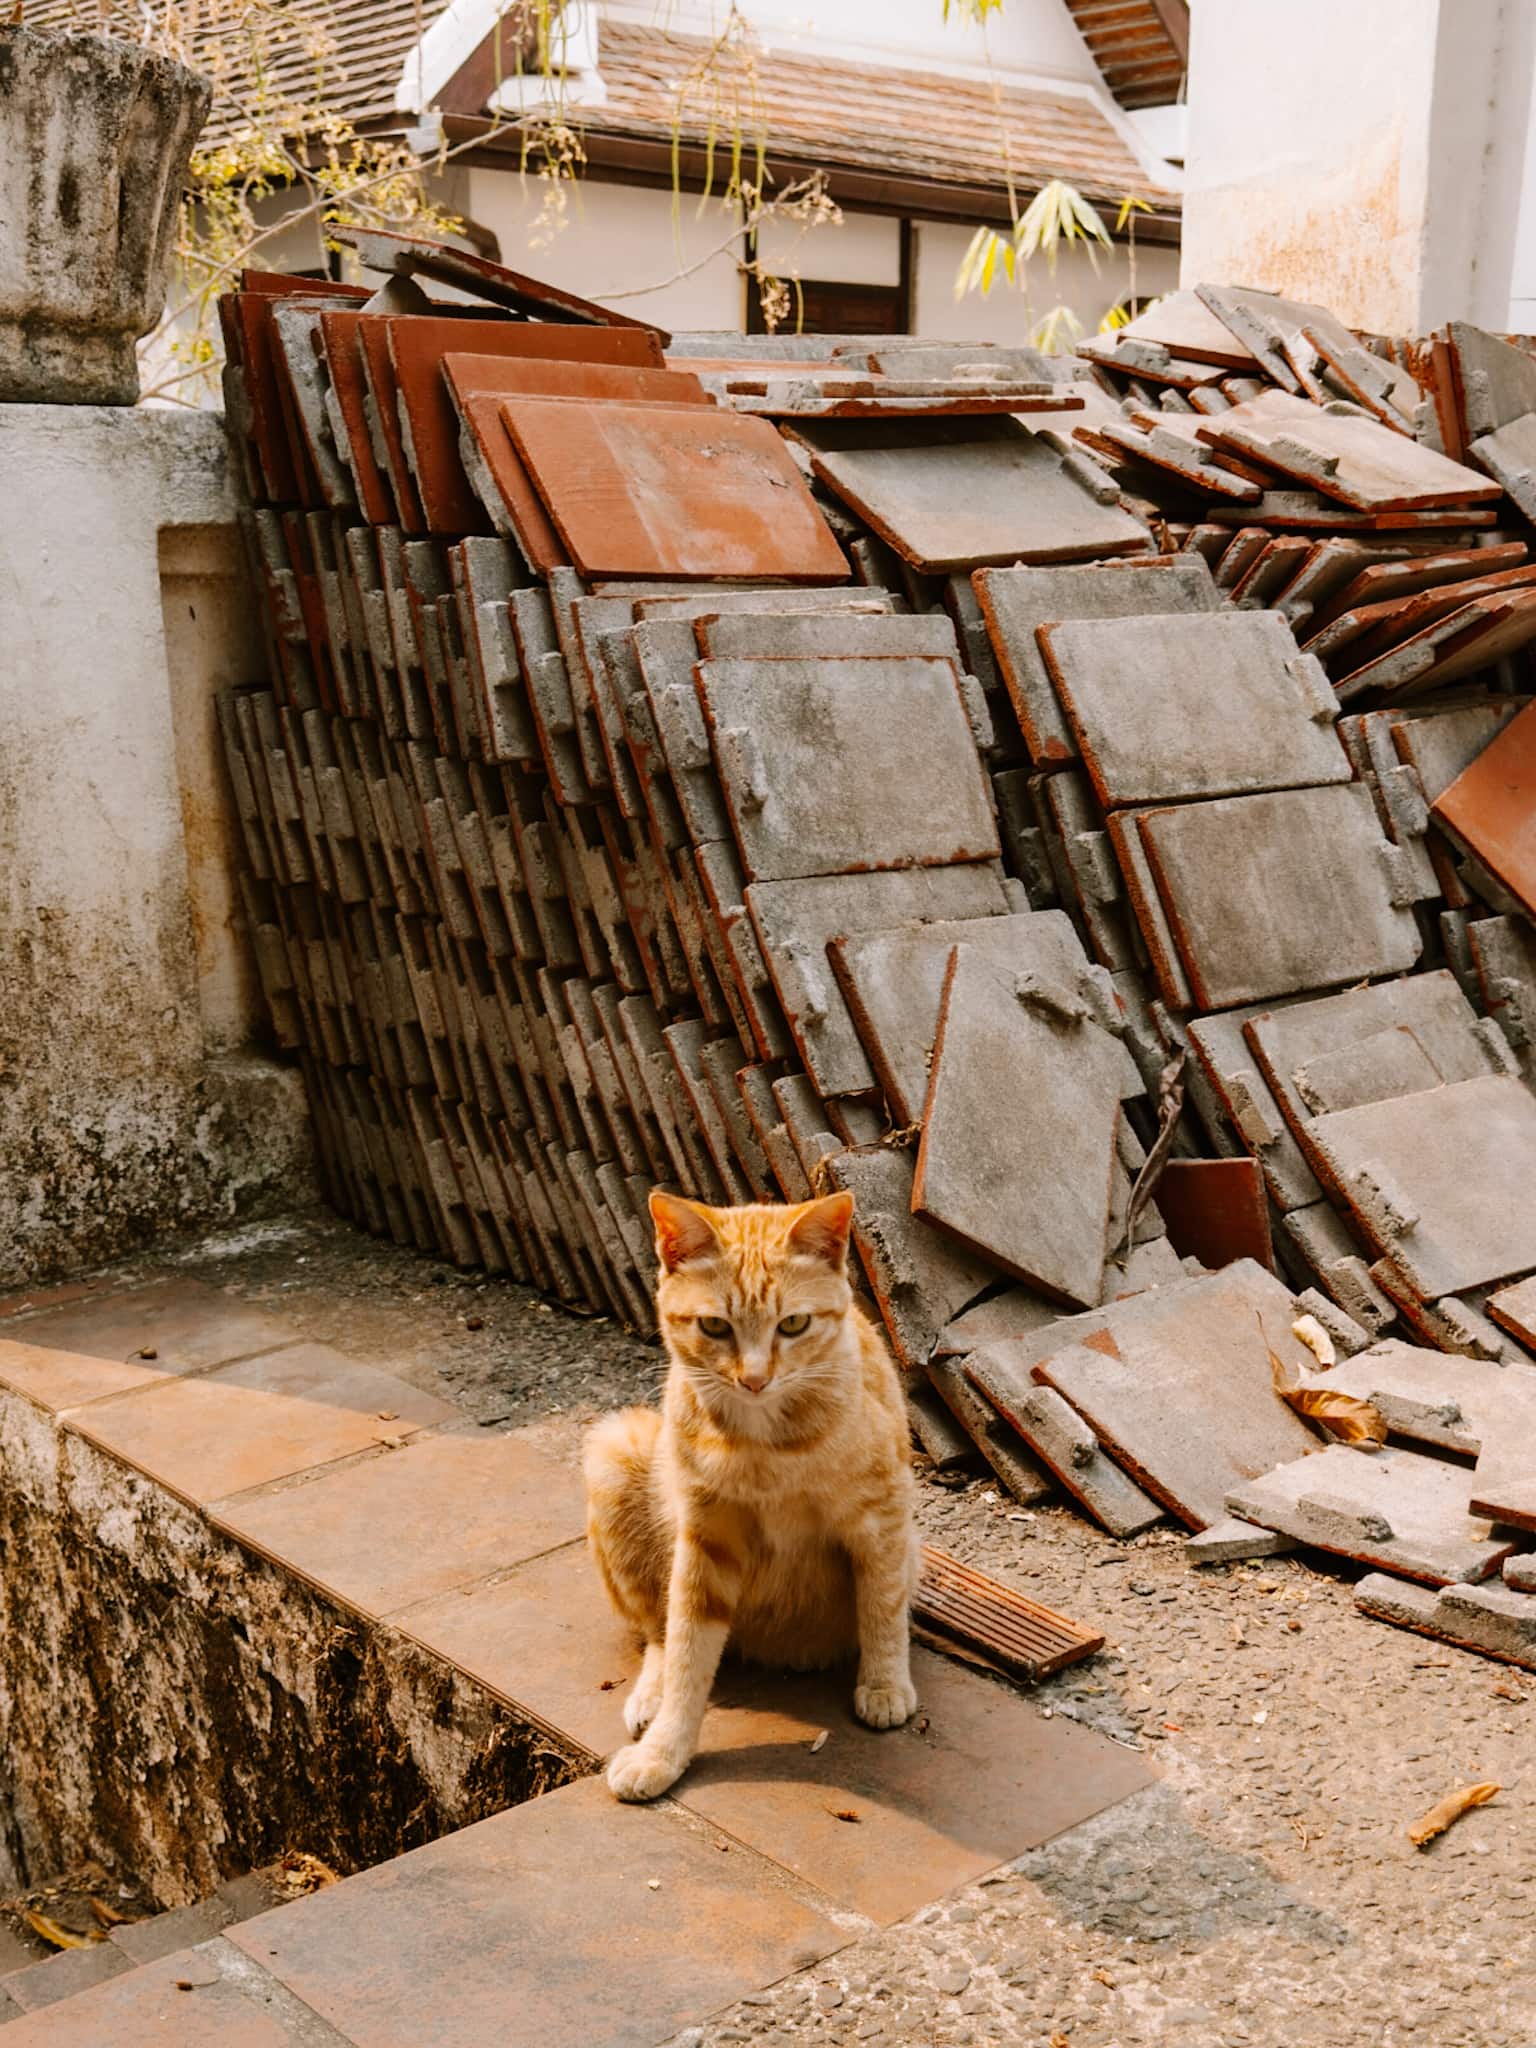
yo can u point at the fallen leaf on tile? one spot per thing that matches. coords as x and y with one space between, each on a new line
843 1813
820 1740
1449 1809
105 1915
52 1932
392 1443
653 1884
606 1684
389 1415
144 1351
1345 1418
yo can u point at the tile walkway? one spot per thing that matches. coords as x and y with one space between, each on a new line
570 1919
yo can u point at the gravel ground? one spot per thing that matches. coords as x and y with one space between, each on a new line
1262 1894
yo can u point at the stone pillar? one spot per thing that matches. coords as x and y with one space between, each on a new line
133 1097
1366 157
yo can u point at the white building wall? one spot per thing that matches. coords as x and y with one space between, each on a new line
1009 313
1368 158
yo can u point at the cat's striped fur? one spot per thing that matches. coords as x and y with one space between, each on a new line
769 1502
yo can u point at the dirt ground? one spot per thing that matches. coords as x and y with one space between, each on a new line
1263 1894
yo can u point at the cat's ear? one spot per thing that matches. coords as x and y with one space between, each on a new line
821 1229
685 1231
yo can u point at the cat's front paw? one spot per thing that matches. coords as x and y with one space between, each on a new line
886 1705
639 1772
643 1704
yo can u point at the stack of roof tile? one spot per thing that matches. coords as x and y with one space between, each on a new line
764 767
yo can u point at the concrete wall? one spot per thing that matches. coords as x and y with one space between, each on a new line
1366 157
131 1100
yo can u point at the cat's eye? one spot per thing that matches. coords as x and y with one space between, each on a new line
794 1326
714 1326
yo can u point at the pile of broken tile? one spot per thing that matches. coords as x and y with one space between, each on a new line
984 782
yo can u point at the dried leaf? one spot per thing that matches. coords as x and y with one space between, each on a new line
820 1741
52 1932
1450 1808
844 1813
108 1916
1317 1340
1345 1418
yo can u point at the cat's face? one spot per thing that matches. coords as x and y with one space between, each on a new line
754 1302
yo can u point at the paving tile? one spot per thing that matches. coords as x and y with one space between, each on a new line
1012 1313
1177 1384
65 1379
1494 1620
986 1778
165 1934
796 920
568 1922
186 1324
1060 1438
1513 1307
1216 1210
64 1975
949 494
1394 1509
1509 1500
1022 1176
1491 808
659 490
1269 895
543 1635
439 1512
417 345
1372 1044
1138 694
1469 1405
1440 1180
1245 1099
1021 1473
145 2008
842 737
264 1419
893 984
1358 462
919 1276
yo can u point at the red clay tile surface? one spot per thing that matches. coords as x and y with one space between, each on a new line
64 1379
442 1511
976 1779
185 1324
649 490
146 2009
246 1424
563 1923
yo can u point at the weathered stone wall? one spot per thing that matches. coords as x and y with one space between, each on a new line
134 1093
183 1711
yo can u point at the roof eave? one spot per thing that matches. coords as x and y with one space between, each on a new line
639 157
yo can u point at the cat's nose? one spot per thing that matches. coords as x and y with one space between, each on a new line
754 1382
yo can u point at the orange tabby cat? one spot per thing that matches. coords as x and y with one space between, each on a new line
769 1503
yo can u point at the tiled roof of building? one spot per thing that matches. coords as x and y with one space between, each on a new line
927 125
346 56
